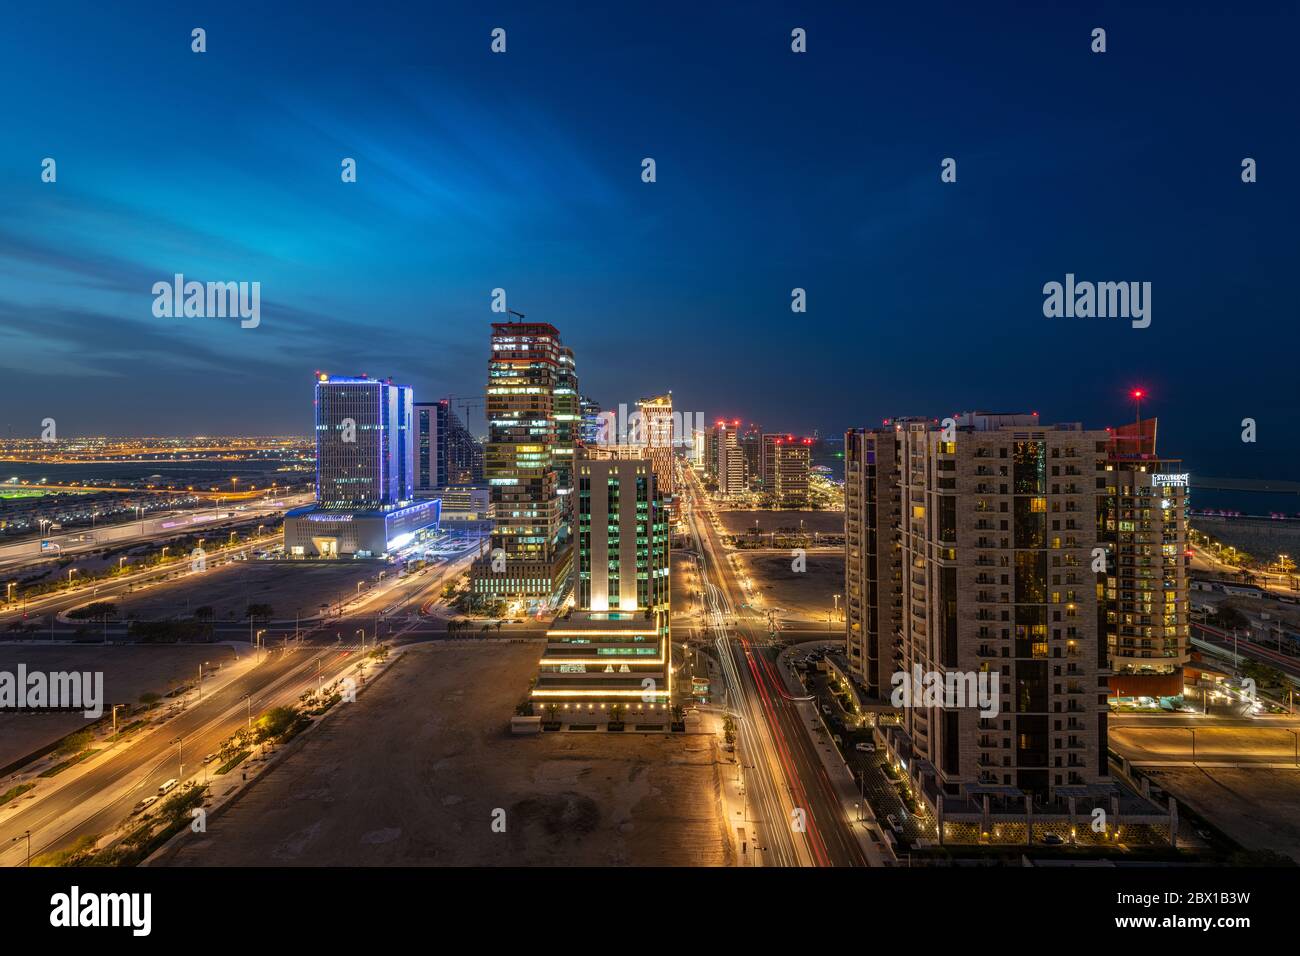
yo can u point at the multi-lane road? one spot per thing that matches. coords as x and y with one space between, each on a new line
95 798
801 819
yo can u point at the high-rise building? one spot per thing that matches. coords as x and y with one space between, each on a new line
622 536
786 463
996 522
1142 518
589 432
696 454
657 437
751 444
568 420
531 555
728 459
445 452
873 576
365 472
431 445
364 454
614 650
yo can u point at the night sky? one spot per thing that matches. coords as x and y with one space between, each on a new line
775 171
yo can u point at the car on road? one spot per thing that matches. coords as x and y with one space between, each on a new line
143 805
1053 839
894 824
826 709
166 786
210 757
838 740
863 747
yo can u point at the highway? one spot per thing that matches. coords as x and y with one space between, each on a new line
24 554
783 771
1153 739
93 799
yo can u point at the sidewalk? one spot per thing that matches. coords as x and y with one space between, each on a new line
869 834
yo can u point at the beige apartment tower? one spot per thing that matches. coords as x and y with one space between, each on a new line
970 552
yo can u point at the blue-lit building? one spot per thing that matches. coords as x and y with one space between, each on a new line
365 473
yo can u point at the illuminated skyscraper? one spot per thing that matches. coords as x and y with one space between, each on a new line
445 452
531 553
728 459
365 473
568 421
1142 517
872 573
612 656
364 450
786 463
589 431
969 555
658 428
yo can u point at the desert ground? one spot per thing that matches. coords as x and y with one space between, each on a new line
129 671
417 770
1256 806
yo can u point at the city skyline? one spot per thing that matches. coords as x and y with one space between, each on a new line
820 173
630 440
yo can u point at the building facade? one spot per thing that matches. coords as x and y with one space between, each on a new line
1142 523
728 459
365 473
531 549
365 457
995 520
611 658
658 435
873 576
786 463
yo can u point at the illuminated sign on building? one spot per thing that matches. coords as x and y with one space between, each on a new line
1174 481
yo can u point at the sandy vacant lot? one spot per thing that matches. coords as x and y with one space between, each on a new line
1257 807
288 586
740 522
808 594
129 671
415 770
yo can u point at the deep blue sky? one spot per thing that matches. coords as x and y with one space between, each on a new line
775 170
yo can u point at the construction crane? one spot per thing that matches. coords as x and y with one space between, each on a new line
465 404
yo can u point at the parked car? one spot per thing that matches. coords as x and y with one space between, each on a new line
863 747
